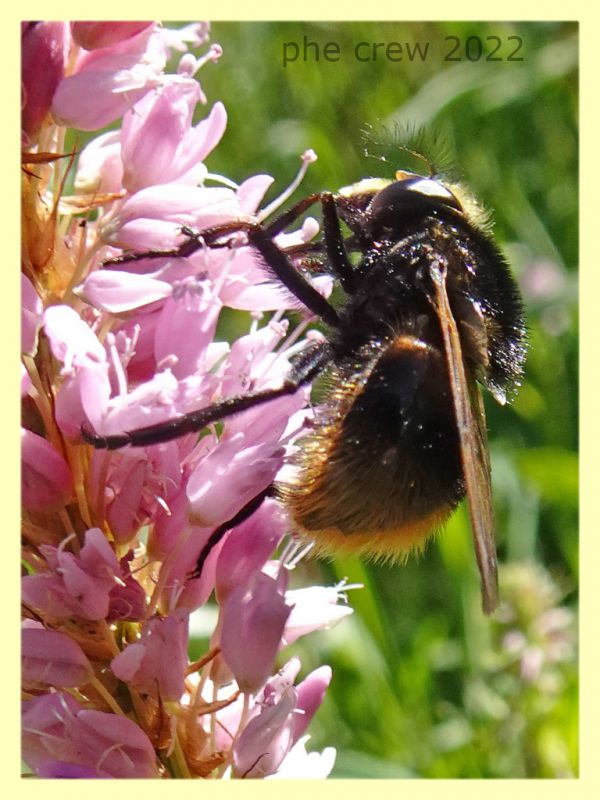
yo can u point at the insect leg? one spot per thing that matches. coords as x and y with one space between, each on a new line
304 370
335 246
242 515
291 215
195 240
334 241
280 264
306 365
259 237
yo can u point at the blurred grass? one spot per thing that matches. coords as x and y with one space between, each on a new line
423 684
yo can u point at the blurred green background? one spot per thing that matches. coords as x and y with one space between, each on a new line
424 685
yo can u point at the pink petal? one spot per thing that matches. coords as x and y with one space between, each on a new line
150 402
46 482
83 398
72 109
315 608
147 668
229 477
31 316
116 291
311 692
152 218
252 190
46 593
298 763
127 597
153 132
186 326
115 744
53 658
116 77
266 740
45 722
253 619
93 35
99 168
71 339
98 556
44 48
208 133
191 594
248 547
88 594
125 512
126 664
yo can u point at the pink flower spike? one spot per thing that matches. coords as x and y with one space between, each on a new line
93 35
53 658
253 618
311 692
31 316
156 664
266 739
44 48
248 547
46 481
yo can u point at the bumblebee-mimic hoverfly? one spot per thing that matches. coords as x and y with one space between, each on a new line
430 311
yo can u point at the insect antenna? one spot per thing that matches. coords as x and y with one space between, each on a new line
384 141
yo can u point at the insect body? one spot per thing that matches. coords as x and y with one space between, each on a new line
430 309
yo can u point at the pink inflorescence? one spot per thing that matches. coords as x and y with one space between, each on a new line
111 538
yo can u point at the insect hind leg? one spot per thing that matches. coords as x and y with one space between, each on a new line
242 515
304 368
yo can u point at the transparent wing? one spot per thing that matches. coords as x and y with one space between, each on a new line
470 417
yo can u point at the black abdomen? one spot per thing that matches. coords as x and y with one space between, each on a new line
385 458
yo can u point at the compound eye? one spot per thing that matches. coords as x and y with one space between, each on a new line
430 188
409 196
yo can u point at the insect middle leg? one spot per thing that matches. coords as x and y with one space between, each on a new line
274 257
